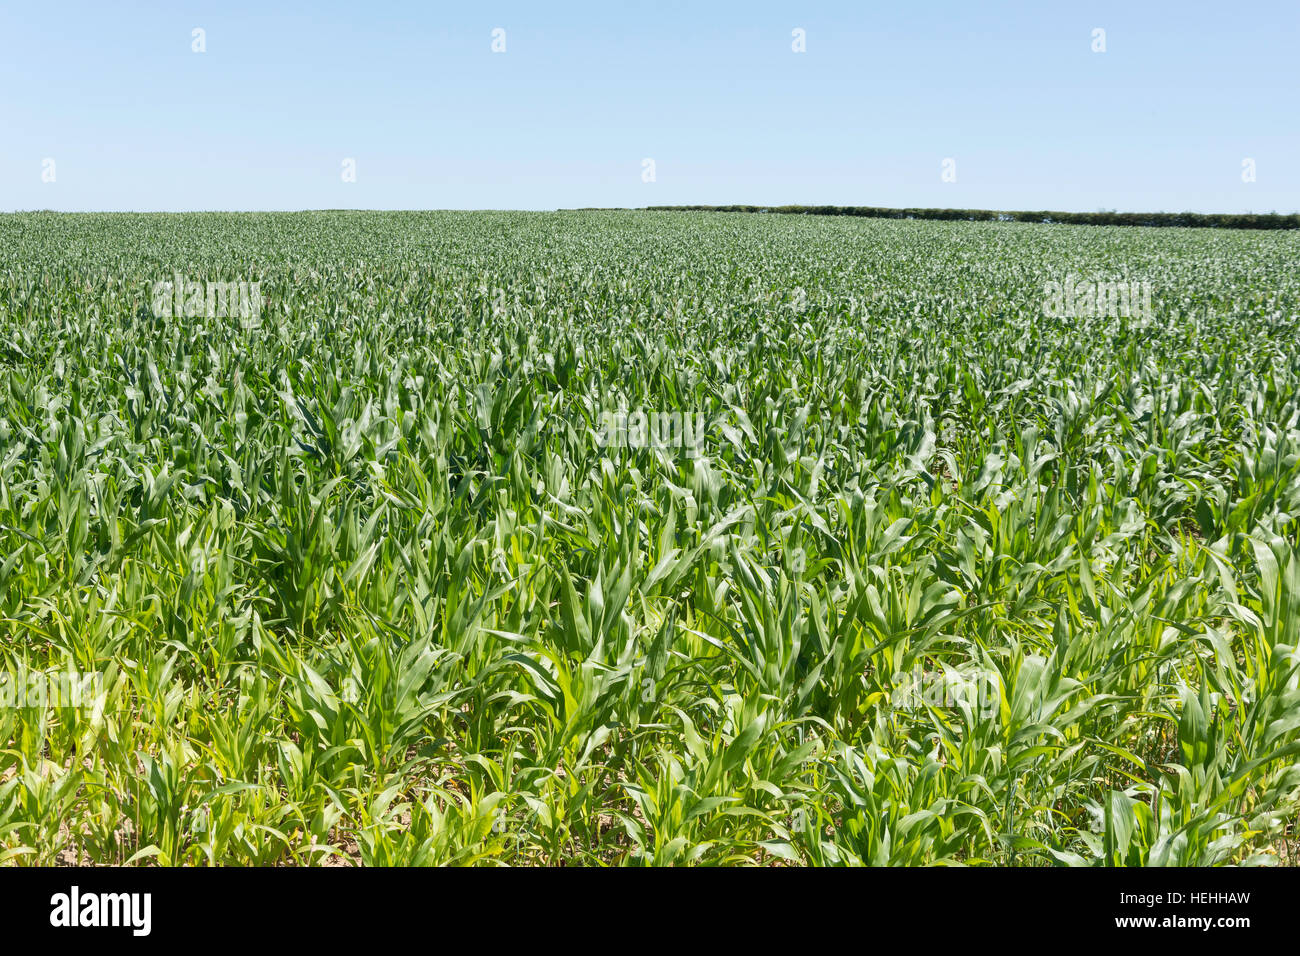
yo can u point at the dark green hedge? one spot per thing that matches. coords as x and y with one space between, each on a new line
1213 219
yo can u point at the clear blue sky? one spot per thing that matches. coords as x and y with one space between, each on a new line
134 120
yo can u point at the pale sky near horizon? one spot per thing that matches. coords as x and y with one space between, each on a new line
112 103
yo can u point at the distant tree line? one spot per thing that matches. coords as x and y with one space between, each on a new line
1214 219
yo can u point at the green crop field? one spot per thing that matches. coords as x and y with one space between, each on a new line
627 538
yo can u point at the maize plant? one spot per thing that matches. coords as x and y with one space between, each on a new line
646 538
